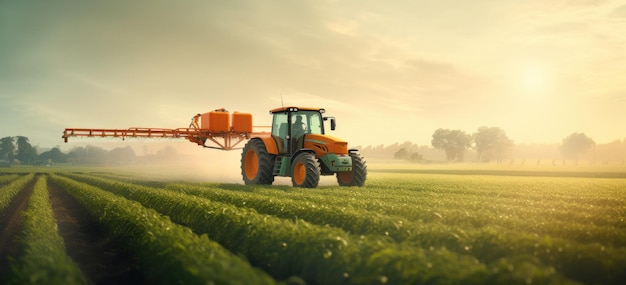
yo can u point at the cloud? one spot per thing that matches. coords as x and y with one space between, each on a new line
619 12
178 49
127 63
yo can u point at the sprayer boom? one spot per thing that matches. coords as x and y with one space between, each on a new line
223 141
213 128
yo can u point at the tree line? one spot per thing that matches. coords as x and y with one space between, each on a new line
487 143
492 144
19 151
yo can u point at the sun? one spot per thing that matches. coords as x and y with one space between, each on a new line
534 80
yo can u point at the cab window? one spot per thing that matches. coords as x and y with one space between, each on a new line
306 122
314 123
280 127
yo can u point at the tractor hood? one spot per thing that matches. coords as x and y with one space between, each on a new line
323 144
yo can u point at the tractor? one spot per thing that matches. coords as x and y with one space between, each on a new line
298 147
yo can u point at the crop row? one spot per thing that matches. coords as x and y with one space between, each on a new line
476 203
4 179
7 192
320 254
43 259
575 221
167 252
488 243
530 188
539 196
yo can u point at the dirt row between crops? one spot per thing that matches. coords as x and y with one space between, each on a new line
103 259
11 221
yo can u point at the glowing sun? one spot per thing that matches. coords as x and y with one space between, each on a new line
534 79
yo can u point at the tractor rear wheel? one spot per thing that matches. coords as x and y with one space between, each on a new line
257 164
357 176
305 171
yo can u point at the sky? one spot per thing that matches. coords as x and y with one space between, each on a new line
389 71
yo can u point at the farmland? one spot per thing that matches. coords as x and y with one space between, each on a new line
408 225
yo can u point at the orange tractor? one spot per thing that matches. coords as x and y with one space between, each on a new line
296 147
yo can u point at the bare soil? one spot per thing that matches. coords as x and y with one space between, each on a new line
11 223
103 259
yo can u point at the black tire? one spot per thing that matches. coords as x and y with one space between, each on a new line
305 171
357 176
257 164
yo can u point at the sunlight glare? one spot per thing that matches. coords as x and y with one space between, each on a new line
534 80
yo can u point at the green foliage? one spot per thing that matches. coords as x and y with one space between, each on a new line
492 144
169 253
563 222
575 145
453 142
43 260
53 156
481 227
25 152
7 149
9 191
553 231
404 154
317 253
4 179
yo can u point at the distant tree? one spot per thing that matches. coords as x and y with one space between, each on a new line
404 154
575 145
26 153
167 153
613 151
87 155
401 154
53 156
492 143
416 156
122 155
453 142
7 149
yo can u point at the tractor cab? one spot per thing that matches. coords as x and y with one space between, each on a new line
291 125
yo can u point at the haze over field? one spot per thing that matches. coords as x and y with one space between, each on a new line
389 71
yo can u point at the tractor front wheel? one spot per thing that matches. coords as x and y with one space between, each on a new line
305 171
256 163
357 176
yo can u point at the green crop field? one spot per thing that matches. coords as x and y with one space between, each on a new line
408 225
